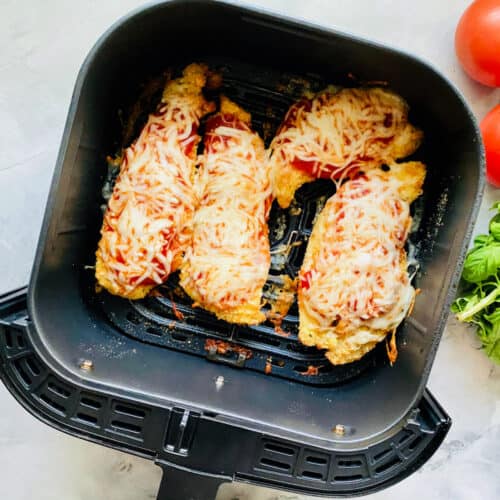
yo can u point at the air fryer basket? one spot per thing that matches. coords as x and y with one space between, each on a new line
188 408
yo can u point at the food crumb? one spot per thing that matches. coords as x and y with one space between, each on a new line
281 297
178 314
221 347
311 370
391 347
269 367
279 330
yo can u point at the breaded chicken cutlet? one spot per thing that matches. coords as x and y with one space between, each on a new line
148 220
227 264
336 134
354 286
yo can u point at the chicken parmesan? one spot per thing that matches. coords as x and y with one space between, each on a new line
148 221
227 263
337 133
354 288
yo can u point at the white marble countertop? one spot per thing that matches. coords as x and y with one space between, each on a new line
42 45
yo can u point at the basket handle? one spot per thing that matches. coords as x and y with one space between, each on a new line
178 483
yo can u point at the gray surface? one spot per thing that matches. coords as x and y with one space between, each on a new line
42 45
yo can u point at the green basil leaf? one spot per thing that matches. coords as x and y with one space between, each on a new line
481 263
465 302
494 317
483 330
491 342
495 227
482 240
495 206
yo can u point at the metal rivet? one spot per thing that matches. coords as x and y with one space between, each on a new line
86 364
339 429
219 381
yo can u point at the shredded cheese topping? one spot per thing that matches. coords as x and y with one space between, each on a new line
227 264
335 134
357 277
147 224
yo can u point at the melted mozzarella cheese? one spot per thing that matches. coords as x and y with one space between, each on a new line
227 264
148 220
357 279
334 135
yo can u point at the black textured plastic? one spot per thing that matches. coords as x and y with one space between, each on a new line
179 439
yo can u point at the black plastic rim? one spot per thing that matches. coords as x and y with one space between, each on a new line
178 439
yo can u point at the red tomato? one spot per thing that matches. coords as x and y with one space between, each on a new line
490 129
477 41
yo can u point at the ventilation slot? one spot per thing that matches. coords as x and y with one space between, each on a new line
405 437
353 477
134 318
327 368
388 465
276 448
57 389
207 324
317 460
53 405
130 411
254 337
312 475
277 362
86 419
90 403
301 349
155 331
274 464
382 454
22 374
126 427
20 341
349 463
279 458
298 253
415 443
411 444
9 341
180 337
300 369
315 466
33 366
